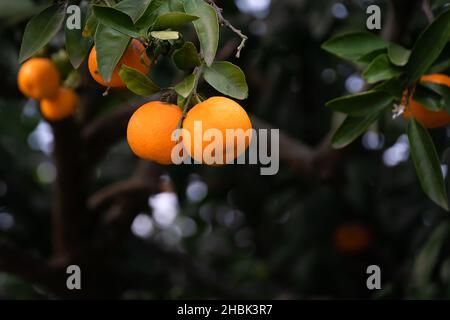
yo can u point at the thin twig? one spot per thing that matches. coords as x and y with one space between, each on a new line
427 10
226 23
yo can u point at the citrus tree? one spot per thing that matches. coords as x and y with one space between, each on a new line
401 81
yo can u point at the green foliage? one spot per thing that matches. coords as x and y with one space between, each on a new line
40 30
116 20
397 70
186 57
77 46
137 82
207 27
228 79
185 87
173 20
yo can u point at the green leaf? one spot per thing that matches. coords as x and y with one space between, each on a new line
116 19
352 128
77 46
362 104
394 87
228 79
176 5
442 90
156 8
428 98
398 55
354 45
435 4
173 20
428 47
367 59
207 27
427 163
186 58
380 69
134 9
426 259
165 35
91 25
137 82
185 87
110 46
40 30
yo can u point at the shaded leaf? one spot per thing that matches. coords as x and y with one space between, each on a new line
362 104
428 47
40 30
354 45
185 87
137 82
398 55
207 27
77 46
228 79
110 46
134 9
156 8
173 20
186 58
380 69
116 19
352 128
428 98
426 161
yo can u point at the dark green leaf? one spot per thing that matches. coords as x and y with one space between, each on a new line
40 30
354 45
442 90
176 5
207 27
380 69
228 79
428 98
110 46
173 20
91 25
394 87
398 55
352 128
185 87
427 163
428 47
137 82
186 58
367 59
362 104
77 46
116 19
134 9
156 8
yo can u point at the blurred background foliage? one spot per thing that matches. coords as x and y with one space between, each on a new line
229 232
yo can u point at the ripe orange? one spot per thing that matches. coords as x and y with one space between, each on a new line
352 238
218 113
428 118
131 58
38 78
150 131
61 106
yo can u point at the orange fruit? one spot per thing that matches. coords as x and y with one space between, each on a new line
61 106
150 131
352 238
428 118
131 58
38 78
221 114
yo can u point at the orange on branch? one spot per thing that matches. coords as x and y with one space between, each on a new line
61 106
38 78
150 130
220 114
426 117
132 57
352 238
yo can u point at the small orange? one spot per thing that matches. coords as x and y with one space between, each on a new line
150 130
352 238
221 114
63 105
428 118
131 58
38 78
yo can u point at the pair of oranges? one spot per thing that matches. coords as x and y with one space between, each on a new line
39 79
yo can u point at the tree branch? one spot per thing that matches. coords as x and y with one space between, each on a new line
226 23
